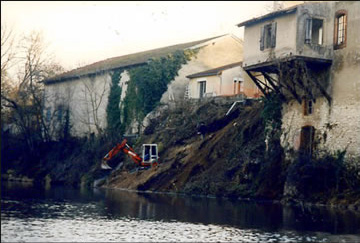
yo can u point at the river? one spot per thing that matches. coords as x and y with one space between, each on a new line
62 214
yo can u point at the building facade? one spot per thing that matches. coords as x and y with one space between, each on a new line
229 80
310 55
81 94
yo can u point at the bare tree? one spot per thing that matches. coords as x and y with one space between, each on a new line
57 111
26 101
7 61
94 94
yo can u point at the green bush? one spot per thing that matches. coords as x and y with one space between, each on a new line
148 83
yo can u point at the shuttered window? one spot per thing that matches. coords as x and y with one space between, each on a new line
268 36
262 38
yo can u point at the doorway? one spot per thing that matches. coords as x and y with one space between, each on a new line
307 140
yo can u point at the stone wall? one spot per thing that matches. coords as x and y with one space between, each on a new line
337 125
337 128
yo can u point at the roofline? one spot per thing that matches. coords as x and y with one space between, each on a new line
197 75
57 79
268 16
205 43
98 72
214 71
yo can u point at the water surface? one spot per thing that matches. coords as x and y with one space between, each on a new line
34 214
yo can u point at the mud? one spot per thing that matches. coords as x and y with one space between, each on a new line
232 160
224 163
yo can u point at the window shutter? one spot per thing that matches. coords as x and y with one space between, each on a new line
273 34
262 38
308 33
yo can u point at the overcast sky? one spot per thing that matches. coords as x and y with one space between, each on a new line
81 33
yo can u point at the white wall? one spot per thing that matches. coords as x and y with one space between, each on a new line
227 80
87 98
219 52
285 40
212 86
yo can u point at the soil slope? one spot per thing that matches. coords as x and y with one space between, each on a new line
225 163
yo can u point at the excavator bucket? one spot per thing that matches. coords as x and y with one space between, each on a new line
105 166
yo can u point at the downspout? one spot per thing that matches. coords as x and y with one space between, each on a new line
219 74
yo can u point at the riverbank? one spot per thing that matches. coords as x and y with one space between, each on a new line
232 160
297 203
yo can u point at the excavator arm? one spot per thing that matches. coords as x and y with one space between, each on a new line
126 149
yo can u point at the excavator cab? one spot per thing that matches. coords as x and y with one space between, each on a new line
150 153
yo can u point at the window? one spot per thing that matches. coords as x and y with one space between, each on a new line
147 153
241 86
314 31
202 88
340 29
48 115
60 113
307 107
238 86
150 152
268 36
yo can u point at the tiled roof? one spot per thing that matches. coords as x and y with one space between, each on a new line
123 61
269 16
214 71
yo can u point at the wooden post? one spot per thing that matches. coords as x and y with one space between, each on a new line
270 80
255 80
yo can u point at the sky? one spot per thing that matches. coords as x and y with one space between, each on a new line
80 33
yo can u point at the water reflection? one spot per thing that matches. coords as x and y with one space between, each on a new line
243 214
100 205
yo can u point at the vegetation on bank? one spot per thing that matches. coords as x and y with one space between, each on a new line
148 83
240 156
233 160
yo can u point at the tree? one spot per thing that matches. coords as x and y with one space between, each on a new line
94 92
26 98
7 61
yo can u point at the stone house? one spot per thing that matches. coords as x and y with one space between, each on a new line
82 93
228 80
310 54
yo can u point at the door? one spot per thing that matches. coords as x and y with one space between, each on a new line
307 140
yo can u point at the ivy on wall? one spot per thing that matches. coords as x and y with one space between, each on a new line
148 83
113 110
272 111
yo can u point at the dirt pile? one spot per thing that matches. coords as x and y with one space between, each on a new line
226 162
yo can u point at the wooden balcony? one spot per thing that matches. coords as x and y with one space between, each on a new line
294 77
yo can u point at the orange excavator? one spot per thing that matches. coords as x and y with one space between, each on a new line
149 155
